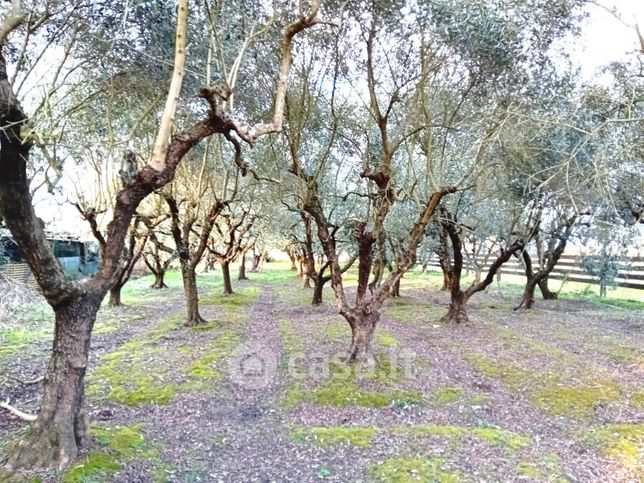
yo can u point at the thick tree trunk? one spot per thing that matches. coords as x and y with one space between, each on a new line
192 295
115 296
363 327
159 280
242 269
318 289
457 312
545 290
225 270
62 425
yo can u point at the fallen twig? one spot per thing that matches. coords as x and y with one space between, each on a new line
17 412
28 382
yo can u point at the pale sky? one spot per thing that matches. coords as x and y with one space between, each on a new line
604 38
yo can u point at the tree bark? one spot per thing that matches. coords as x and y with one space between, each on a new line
225 270
192 295
395 290
318 289
546 293
159 280
115 296
363 326
62 424
242 268
457 311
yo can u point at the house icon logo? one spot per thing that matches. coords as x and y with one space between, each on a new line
253 366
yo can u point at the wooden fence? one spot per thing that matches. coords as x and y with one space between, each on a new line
631 271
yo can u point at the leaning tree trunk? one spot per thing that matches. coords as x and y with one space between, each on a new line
225 270
62 424
395 290
546 293
115 296
189 276
363 326
527 302
159 282
242 269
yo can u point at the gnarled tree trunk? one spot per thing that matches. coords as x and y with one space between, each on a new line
363 326
62 424
546 293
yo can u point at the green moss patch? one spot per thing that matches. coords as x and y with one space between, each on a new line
403 470
203 367
357 385
578 402
446 395
143 370
495 436
116 445
387 339
622 442
509 374
134 374
241 298
358 437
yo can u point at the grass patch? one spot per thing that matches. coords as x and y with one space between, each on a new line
492 435
134 375
358 437
241 298
576 402
622 442
356 385
142 370
116 445
446 395
203 368
513 376
387 339
403 470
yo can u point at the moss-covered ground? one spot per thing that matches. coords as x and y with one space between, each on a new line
551 394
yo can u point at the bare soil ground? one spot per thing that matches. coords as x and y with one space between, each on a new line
261 393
